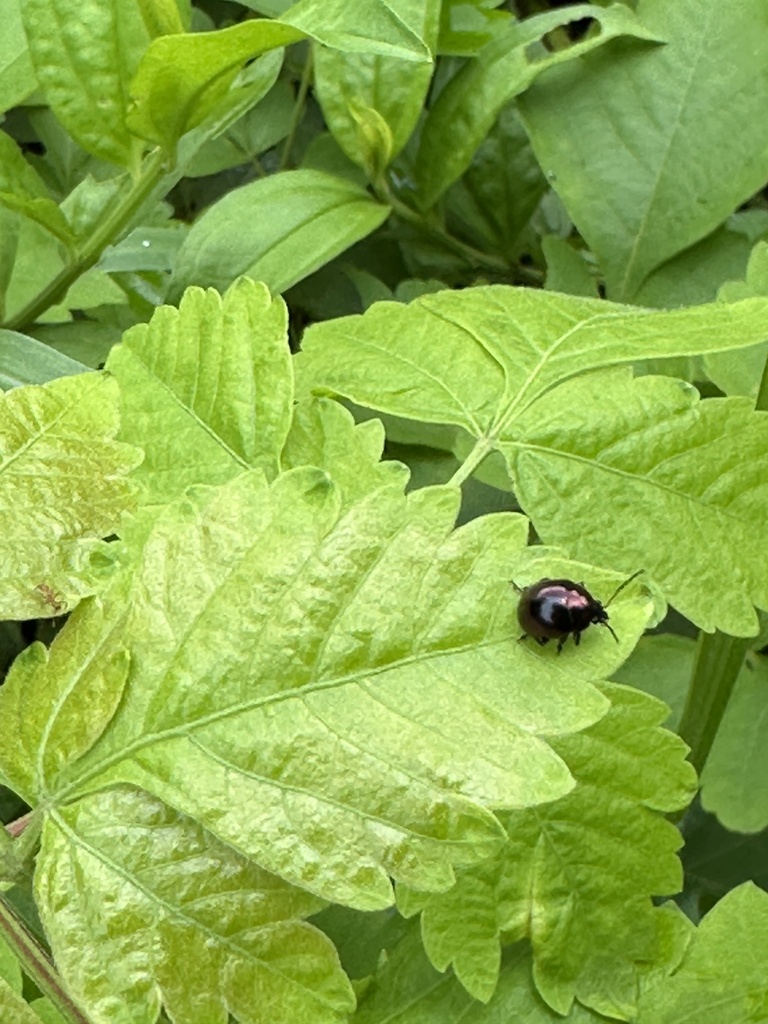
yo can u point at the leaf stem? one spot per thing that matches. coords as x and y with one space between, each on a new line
298 109
37 965
89 252
482 448
719 658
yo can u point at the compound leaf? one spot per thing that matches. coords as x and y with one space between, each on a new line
346 687
489 360
577 875
722 975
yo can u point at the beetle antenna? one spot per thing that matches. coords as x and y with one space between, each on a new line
610 630
517 588
620 588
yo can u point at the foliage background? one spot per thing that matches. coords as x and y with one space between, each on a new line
319 325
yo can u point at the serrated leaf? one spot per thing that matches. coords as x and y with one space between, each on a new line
722 976
142 906
55 704
10 971
277 230
84 54
467 107
347 688
577 875
591 118
64 486
13 1009
182 79
697 470
661 665
206 389
324 434
489 359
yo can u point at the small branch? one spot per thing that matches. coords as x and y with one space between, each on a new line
36 963
90 251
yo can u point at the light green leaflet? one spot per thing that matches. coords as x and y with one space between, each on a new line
577 875
682 483
188 920
63 487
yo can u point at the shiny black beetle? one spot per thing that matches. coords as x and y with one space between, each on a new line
555 609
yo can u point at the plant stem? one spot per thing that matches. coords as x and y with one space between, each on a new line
474 257
718 662
36 963
298 109
90 251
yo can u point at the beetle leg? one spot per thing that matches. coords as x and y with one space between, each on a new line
561 642
521 638
577 638
541 640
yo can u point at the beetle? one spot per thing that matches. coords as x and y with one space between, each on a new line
555 609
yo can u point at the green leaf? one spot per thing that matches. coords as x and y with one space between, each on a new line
567 270
188 921
695 275
408 990
716 860
206 389
740 373
23 191
500 190
467 107
577 875
488 360
393 28
10 971
63 488
722 976
13 1009
730 782
182 79
24 360
55 714
590 119
661 665
372 103
346 686
324 434
17 77
85 53
467 25
655 453
277 230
